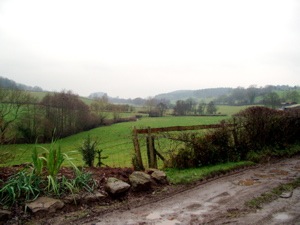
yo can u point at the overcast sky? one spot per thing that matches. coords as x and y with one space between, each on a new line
143 48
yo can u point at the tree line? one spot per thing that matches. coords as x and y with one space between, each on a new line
268 96
25 119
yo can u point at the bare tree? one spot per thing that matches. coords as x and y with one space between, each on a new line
11 104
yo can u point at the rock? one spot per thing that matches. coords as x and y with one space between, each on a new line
5 215
73 198
45 204
286 194
115 186
159 176
92 197
140 181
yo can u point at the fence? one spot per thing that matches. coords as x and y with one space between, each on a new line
152 153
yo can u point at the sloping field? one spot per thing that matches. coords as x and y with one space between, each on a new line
115 140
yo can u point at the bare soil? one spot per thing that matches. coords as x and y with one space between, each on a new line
219 200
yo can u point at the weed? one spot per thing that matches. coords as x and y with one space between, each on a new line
23 185
267 197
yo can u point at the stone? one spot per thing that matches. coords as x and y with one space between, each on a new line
115 186
92 197
45 204
140 181
159 176
286 194
84 197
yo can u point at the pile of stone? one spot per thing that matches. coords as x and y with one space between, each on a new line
138 182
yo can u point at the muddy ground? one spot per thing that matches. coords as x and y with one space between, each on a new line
220 201
216 201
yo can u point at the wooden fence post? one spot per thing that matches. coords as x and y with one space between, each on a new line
150 149
137 150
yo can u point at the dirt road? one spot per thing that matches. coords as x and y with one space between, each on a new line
220 201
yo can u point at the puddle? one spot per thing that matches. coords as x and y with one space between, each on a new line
279 172
199 212
263 175
168 222
282 216
193 207
153 216
247 182
223 194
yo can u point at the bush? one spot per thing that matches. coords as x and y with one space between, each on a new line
88 151
185 158
214 147
258 133
260 127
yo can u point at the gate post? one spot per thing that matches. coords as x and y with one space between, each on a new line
137 149
151 150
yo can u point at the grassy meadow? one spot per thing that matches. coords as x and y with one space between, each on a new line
114 140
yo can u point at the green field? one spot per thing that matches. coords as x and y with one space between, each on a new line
230 110
115 140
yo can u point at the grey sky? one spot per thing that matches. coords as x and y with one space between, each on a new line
143 48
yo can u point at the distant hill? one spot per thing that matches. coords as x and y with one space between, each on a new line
7 83
96 95
222 95
201 93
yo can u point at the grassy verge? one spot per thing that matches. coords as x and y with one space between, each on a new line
185 176
267 197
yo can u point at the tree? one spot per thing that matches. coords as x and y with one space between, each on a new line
181 108
191 105
99 108
151 103
211 108
65 114
239 96
30 123
161 108
201 108
251 94
12 101
272 100
88 151
292 96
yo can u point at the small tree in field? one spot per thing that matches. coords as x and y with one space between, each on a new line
211 108
88 151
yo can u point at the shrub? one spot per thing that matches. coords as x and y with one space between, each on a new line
88 151
216 146
260 127
185 158
258 133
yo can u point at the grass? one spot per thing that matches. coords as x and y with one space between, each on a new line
185 176
230 110
115 141
267 197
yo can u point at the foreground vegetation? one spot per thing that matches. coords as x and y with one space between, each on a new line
40 178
